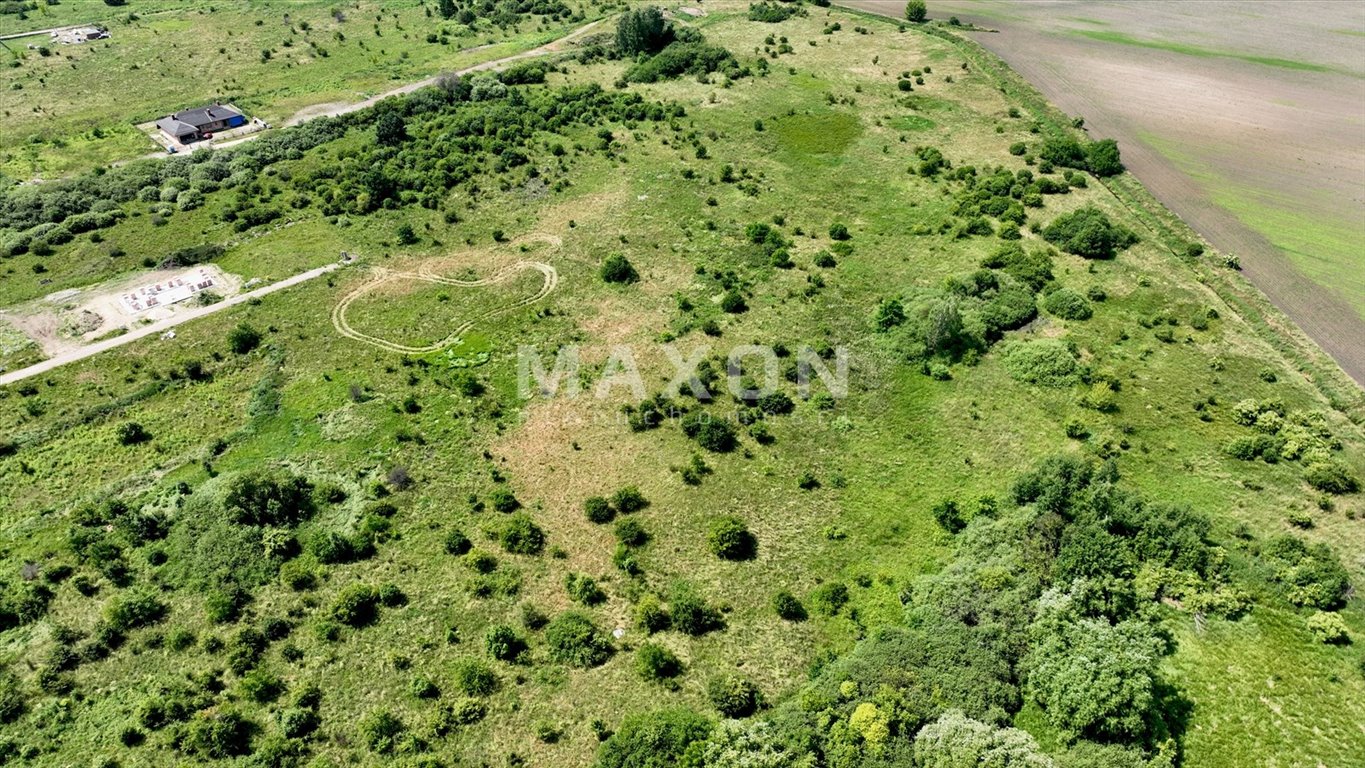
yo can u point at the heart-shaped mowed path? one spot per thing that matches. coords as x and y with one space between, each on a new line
383 276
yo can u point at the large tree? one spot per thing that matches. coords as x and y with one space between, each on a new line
642 30
957 741
916 11
1092 678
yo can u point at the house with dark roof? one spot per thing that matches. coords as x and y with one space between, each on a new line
195 124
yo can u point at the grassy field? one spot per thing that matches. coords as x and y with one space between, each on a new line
68 110
824 138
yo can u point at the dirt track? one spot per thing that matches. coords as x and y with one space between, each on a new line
1193 127
425 274
332 110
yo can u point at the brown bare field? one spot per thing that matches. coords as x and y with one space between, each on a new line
1245 119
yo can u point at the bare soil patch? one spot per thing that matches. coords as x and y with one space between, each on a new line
67 320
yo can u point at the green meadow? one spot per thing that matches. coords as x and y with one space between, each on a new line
433 472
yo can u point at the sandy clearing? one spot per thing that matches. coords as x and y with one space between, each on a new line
1229 130
48 321
160 327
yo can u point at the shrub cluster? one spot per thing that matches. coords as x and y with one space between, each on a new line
1088 232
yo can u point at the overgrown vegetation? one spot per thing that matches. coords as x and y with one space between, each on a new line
1070 509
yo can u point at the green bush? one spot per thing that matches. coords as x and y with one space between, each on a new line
527 73
957 740
1068 305
584 589
1329 628
788 607
480 562
574 639
890 313
1093 678
456 543
733 302
651 616
423 687
947 514
618 269
734 696
474 678
12 700
772 13
219 735
243 339
504 501
714 434
132 433
356 605
631 532
690 613
916 11
1031 267
1065 152
380 731
521 536
1312 574
1331 477
830 597
134 610
730 539
391 596
653 739
642 30
268 498
330 547
598 510
1044 362
1012 306
656 663
1102 158
262 686
1088 232
692 57
503 643
629 499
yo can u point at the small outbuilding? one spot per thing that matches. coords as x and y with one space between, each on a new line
195 124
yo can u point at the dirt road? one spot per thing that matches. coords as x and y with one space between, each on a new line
332 110
48 31
160 327
1246 124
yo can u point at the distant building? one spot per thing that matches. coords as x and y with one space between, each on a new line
195 124
74 35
